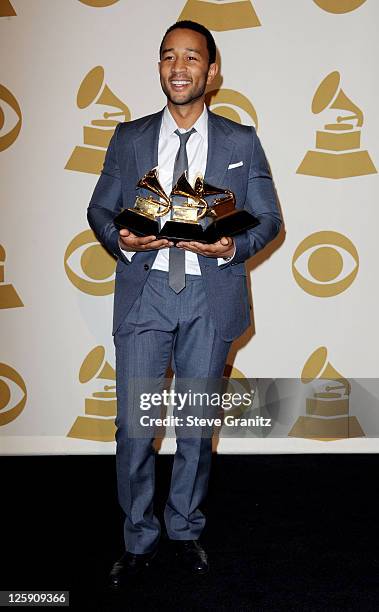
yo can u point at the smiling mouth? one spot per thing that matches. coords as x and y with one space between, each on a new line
179 84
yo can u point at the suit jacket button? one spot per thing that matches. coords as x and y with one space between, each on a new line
146 267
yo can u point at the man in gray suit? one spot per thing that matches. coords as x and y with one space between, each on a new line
180 304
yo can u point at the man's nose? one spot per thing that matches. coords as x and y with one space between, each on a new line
178 65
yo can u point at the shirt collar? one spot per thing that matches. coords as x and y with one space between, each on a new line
169 125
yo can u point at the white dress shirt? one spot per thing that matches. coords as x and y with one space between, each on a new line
197 151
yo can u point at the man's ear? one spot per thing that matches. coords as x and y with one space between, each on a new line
212 72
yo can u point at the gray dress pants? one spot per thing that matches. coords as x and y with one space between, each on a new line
164 328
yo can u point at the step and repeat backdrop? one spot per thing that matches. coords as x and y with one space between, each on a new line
304 73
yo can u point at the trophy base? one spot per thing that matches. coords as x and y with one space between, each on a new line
138 224
236 222
208 230
180 230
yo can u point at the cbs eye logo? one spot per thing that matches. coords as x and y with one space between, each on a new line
325 264
11 386
9 126
339 6
88 265
232 105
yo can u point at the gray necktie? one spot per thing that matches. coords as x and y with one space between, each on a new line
177 257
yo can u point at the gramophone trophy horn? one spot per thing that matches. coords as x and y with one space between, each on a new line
151 182
183 188
194 209
220 206
142 219
204 189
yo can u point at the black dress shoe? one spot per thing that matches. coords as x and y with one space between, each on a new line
192 556
129 566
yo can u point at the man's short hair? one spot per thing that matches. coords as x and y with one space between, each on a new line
196 27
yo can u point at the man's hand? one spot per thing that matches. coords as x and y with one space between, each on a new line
222 248
131 242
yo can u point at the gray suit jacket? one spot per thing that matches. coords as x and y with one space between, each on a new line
133 151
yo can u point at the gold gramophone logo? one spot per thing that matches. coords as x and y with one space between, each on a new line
337 153
221 15
6 9
9 297
88 265
232 105
100 409
90 156
325 264
339 6
8 133
98 3
11 384
327 406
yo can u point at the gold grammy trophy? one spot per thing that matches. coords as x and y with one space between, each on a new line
100 409
192 217
338 153
9 297
93 90
142 220
197 218
194 208
327 409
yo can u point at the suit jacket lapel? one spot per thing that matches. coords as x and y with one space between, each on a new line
220 150
146 145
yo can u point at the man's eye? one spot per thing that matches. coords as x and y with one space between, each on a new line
190 57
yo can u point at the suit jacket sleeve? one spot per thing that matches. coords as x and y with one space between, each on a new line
262 202
106 201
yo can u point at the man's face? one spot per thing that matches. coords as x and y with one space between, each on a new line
183 68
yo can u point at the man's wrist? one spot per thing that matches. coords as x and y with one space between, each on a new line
230 257
222 261
125 253
121 245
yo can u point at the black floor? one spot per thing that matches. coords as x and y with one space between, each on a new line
283 533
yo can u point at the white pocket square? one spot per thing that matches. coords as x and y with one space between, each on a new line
237 165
